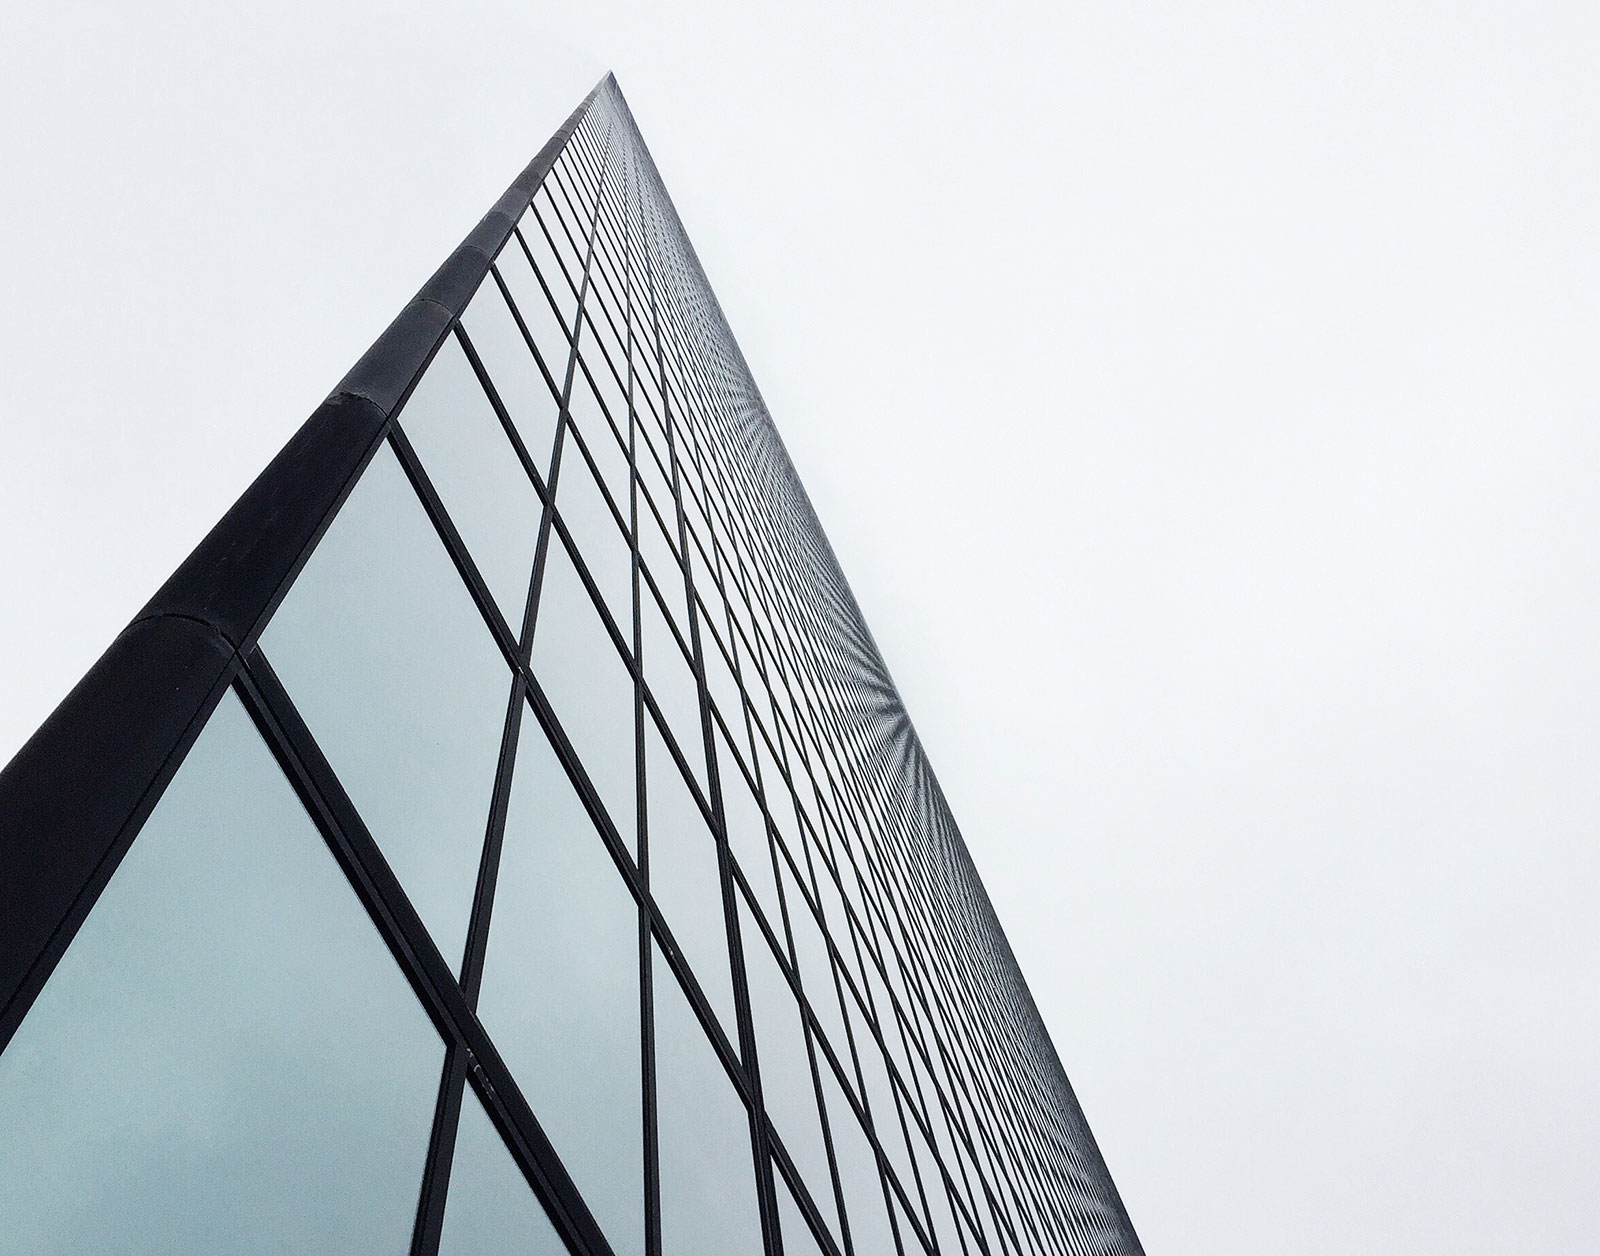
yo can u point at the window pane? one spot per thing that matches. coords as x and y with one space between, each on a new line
389 662
747 836
684 877
596 534
589 687
540 227
671 682
227 1058
933 1186
608 451
911 1240
719 676
865 1209
780 802
816 969
798 1240
490 1207
551 204
708 1190
664 545
477 475
608 362
512 369
546 328
881 1099
787 1090
561 987
833 915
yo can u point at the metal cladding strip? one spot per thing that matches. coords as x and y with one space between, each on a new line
83 784
797 577
75 795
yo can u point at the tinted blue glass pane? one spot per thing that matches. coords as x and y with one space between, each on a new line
504 353
671 681
787 1090
798 1240
865 1209
391 665
490 1206
227 1057
597 534
560 990
708 1191
588 685
477 474
548 329
684 877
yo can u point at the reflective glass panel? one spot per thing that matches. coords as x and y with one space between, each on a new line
542 322
658 484
865 1209
708 1190
512 369
747 836
596 534
798 1240
542 231
787 1090
780 802
719 676
645 370
881 1107
477 474
489 1206
392 668
569 234
609 364
911 1236
671 682
588 685
578 179
933 1186
605 275
699 529
227 1057
658 553
684 877
560 990
609 452
939 1118
834 918
816 970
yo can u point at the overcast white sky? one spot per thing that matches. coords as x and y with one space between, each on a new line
1202 400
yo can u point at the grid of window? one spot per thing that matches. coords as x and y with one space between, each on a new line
574 690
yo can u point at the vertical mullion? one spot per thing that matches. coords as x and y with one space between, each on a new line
441 1154
430 1215
760 1150
652 1128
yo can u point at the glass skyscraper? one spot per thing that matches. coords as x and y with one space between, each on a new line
503 835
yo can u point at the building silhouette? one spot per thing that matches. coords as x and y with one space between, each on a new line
502 833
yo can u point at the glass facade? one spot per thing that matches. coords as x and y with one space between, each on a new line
554 867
